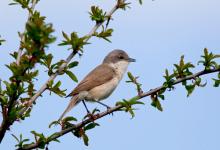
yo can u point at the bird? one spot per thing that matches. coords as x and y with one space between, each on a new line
101 81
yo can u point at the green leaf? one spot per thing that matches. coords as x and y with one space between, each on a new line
16 138
51 137
216 82
73 64
190 89
65 36
130 76
85 139
140 2
155 102
47 60
68 119
57 85
91 126
71 75
53 123
74 41
130 110
161 96
135 101
1 41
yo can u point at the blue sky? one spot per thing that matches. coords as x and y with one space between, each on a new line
156 34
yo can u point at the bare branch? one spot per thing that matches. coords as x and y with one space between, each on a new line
116 108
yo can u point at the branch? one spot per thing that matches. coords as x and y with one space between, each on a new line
6 123
22 36
68 59
116 108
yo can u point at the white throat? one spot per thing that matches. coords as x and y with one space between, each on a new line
120 67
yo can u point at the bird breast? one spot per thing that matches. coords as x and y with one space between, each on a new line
120 68
103 91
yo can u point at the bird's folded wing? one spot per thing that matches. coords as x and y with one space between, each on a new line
100 75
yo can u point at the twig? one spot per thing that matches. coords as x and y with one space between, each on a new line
116 108
22 35
60 69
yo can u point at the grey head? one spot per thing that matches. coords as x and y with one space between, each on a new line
116 56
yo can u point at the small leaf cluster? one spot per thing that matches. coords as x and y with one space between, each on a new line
128 105
40 138
74 41
38 33
169 80
208 60
97 14
123 5
56 88
134 81
25 4
156 97
104 34
20 140
182 70
81 132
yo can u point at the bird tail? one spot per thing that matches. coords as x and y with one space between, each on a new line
73 102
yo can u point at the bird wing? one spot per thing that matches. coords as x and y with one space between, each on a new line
96 77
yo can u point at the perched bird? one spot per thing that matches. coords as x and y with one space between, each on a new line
101 81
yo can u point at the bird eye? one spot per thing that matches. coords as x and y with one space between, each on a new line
121 57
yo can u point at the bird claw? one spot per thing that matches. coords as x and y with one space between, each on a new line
90 116
108 110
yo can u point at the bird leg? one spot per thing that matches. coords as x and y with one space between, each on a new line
86 107
91 116
108 107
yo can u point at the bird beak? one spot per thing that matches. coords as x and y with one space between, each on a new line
131 60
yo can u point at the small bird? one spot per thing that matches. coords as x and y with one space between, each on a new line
100 82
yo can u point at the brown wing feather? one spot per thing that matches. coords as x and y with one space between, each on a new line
96 77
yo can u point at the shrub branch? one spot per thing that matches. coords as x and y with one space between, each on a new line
117 108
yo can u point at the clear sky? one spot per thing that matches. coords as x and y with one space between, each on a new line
156 34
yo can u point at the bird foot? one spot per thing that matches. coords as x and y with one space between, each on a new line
91 116
109 111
